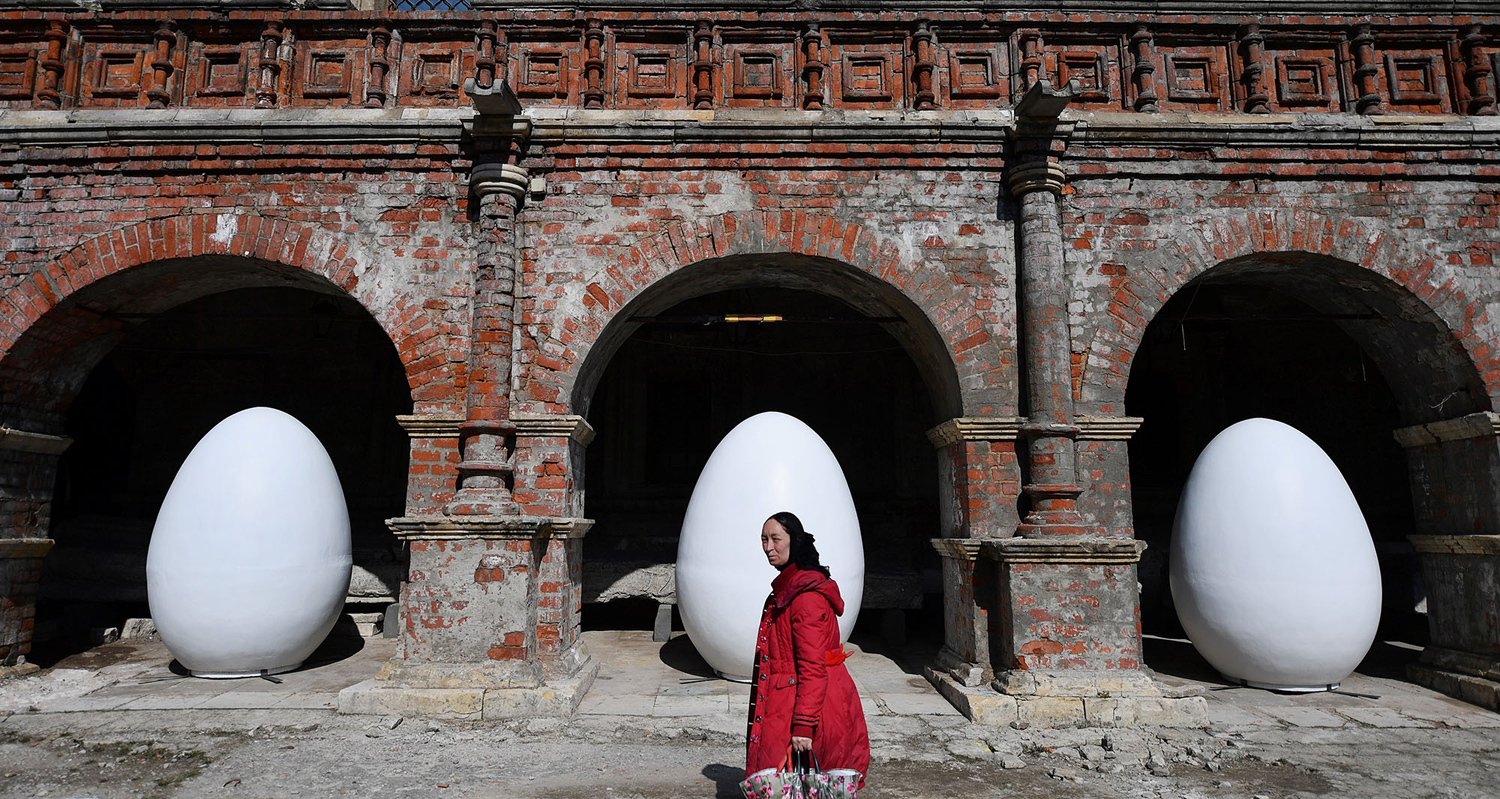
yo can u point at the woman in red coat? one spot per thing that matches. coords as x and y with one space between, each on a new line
801 695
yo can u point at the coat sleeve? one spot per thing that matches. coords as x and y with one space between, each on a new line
811 618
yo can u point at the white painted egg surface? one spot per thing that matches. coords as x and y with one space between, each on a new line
249 560
768 463
1273 571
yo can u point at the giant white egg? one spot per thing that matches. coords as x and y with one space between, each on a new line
249 560
768 463
1273 571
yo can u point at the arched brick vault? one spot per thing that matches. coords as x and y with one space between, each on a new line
964 357
1429 327
60 313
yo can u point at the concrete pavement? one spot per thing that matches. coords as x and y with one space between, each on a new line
119 721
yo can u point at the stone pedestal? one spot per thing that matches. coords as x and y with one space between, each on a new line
28 470
1066 641
1462 574
21 577
489 622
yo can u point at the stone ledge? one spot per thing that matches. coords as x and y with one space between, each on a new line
17 548
1140 702
552 699
1485 424
1474 690
409 528
1078 549
1481 545
575 427
24 441
425 425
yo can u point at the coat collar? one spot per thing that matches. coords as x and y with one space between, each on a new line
793 581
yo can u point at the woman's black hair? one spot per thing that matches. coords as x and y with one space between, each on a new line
802 552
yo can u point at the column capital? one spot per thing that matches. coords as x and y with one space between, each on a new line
959 548
975 428
499 133
556 425
1040 137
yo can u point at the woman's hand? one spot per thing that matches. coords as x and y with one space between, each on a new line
801 744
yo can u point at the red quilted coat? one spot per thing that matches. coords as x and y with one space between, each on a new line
800 686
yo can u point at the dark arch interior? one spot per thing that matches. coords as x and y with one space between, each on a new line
172 374
685 377
1311 344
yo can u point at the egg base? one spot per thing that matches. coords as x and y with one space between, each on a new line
1283 689
237 675
732 677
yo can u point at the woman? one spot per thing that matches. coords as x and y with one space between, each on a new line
801 695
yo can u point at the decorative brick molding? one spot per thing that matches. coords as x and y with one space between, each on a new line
1485 424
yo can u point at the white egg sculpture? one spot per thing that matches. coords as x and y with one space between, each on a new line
768 463
249 561
1273 571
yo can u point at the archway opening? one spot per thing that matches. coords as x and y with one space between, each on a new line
176 358
1335 351
686 372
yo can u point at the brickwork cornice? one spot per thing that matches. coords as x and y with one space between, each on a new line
1370 58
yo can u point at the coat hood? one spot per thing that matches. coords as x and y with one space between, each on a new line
793 581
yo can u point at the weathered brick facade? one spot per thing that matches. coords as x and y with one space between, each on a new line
1016 196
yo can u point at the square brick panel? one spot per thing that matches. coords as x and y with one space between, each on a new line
328 73
220 71
1195 78
547 69
760 73
866 74
650 73
1416 80
974 74
113 74
17 72
1096 67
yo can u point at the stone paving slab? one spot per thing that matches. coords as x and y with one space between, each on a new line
1382 717
1306 716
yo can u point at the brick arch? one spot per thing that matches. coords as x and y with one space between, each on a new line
973 350
241 236
1412 279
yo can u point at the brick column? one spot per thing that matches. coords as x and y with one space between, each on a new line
28 470
1455 476
490 609
980 483
1065 643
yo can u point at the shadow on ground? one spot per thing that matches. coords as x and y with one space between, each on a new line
679 654
726 780
334 648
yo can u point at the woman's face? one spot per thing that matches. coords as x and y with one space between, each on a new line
775 542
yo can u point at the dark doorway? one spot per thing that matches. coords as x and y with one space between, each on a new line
172 376
688 374
1262 342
